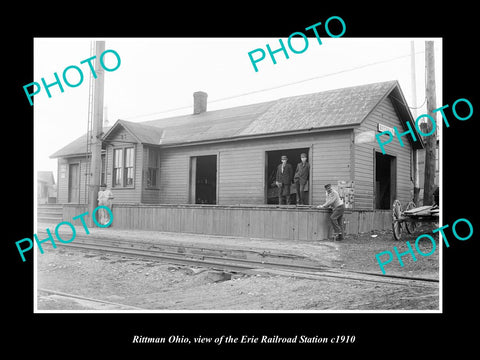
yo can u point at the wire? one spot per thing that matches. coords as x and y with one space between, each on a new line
284 85
425 84
419 107
411 107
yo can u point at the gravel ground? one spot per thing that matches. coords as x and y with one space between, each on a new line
153 285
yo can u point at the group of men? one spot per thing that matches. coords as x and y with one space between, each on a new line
283 181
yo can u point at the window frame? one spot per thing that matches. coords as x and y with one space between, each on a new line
123 167
148 166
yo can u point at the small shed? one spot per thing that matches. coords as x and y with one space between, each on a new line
228 156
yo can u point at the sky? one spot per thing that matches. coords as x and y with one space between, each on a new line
157 75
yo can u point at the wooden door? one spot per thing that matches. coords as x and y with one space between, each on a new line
73 183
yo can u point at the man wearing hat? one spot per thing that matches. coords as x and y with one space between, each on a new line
284 180
334 202
301 179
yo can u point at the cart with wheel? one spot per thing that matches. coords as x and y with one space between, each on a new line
410 216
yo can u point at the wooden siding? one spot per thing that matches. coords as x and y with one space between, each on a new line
241 166
265 222
174 175
241 170
125 195
62 183
384 114
330 162
242 175
149 195
255 222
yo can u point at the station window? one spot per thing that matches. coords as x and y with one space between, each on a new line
123 167
152 168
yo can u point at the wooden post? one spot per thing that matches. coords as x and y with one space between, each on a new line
97 123
416 175
431 140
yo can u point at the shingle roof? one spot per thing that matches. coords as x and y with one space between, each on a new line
75 148
213 125
339 107
347 106
145 134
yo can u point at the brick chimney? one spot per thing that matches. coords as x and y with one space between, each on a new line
199 102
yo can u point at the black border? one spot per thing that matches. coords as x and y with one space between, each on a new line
382 334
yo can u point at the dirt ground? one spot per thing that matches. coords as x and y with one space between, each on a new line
153 285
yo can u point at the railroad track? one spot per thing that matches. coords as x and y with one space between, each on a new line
235 260
94 304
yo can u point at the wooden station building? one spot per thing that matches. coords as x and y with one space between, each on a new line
227 157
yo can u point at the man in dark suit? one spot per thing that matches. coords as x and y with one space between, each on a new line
301 179
284 180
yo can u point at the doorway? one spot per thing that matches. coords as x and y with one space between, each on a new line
73 183
203 179
385 180
272 160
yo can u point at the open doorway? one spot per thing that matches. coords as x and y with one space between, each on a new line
272 160
203 179
385 180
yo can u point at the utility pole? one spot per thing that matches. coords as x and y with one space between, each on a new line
416 175
430 141
96 147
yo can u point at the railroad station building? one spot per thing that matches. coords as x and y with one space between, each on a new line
227 158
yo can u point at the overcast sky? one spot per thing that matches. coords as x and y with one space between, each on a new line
160 74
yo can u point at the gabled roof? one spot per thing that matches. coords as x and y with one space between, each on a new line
78 147
211 125
338 108
145 134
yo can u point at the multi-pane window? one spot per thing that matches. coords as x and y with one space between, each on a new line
129 167
152 168
117 167
123 167
102 174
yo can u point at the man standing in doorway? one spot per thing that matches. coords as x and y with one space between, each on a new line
336 218
284 180
301 179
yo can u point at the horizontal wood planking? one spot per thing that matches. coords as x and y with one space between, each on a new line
149 195
241 172
244 221
174 175
123 139
63 183
364 154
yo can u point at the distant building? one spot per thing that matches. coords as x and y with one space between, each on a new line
228 156
46 188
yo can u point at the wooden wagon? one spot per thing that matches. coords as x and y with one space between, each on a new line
410 216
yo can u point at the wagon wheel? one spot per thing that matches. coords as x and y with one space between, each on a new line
396 224
410 225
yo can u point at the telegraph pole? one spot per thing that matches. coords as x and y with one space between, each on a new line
416 175
430 141
96 147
